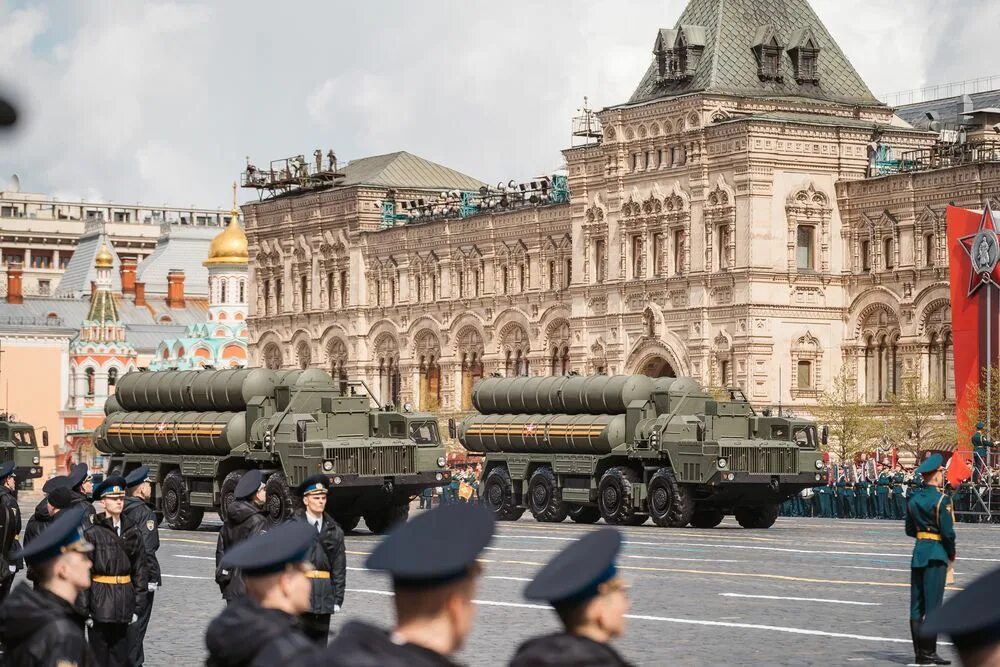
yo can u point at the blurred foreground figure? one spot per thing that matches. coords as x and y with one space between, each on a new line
972 620
8 114
141 515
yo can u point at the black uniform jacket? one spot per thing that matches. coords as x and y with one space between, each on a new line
327 555
144 518
114 556
246 634
85 502
43 630
38 522
565 650
10 528
244 520
361 645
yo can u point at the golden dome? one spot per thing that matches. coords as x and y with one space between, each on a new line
104 259
230 246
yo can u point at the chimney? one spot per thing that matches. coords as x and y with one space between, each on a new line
128 276
140 295
14 293
175 288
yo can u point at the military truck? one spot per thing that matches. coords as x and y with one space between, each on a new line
200 431
628 448
18 444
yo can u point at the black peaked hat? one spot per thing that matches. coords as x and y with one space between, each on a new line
971 617
77 474
137 477
110 486
56 482
65 531
6 469
8 114
270 552
437 547
249 484
60 497
577 571
317 483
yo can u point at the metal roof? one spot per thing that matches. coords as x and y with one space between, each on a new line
405 170
728 64
182 247
950 110
80 271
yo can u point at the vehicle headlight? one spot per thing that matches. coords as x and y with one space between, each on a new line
723 462
438 476
441 461
819 464
328 465
730 476
337 480
34 459
818 477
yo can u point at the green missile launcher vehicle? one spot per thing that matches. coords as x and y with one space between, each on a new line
200 431
628 448
18 444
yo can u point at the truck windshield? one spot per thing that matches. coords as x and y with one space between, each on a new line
23 438
805 436
424 433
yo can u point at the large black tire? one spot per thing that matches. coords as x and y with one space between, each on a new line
498 495
615 498
347 522
584 513
670 504
226 492
281 502
177 509
381 520
706 518
545 498
762 516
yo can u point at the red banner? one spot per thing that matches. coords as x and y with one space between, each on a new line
974 261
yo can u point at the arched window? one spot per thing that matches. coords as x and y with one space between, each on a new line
929 250
91 382
503 279
112 380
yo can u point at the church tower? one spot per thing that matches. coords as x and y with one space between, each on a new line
227 266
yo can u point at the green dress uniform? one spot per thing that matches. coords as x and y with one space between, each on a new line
929 520
861 499
898 499
847 498
882 495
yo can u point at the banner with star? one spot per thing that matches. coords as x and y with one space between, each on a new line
973 258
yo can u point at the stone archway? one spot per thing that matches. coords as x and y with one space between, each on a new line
656 366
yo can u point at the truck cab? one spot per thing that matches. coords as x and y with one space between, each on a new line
18 443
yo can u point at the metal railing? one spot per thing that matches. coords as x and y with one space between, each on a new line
942 90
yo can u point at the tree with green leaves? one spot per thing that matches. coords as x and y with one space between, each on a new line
852 429
917 421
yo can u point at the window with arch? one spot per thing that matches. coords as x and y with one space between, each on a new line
303 355
805 256
866 256
929 250
112 380
887 255
304 292
503 280
91 376
272 357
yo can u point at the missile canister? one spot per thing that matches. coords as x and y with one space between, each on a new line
595 395
175 391
196 433
540 433
111 405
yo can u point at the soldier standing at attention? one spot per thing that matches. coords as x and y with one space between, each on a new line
882 492
244 518
898 497
972 618
142 516
42 626
432 561
10 528
82 487
119 575
930 521
582 585
58 500
260 629
980 453
329 578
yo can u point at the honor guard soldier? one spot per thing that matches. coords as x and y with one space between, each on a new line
119 574
58 500
142 516
582 585
930 521
244 518
972 619
326 554
10 528
882 485
432 562
898 497
82 487
42 626
261 628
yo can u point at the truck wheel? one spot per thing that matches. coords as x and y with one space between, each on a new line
707 518
227 490
177 509
762 516
614 497
280 501
670 504
498 495
384 518
545 498
347 523
584 513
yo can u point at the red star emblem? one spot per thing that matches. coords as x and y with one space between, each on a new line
983 250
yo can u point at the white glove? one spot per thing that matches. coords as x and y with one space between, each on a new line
336 608
151 587
135 617
13 568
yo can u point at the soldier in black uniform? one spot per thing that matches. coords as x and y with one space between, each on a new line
119 574
244 518
432 560
82 487
42 626
144 518
583 586
58 499
10 528
261 628
326 555
972 618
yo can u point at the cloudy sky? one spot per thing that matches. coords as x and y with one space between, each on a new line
160 102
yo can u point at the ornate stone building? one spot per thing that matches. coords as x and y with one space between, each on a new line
719 227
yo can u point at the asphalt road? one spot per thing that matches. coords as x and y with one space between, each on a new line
804 592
